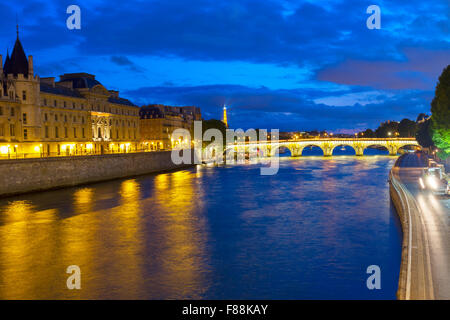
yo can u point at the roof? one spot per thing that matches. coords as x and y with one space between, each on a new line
60 90
80 80
18 62
121 101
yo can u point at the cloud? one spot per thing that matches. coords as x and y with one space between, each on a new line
286 109
419 70
293 63
124 61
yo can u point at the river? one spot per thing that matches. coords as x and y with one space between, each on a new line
224 232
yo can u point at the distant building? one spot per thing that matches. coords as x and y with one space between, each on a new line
158 122
76 115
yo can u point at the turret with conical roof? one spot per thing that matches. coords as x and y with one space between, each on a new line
7 60
17 63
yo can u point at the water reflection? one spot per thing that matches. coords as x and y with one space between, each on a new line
208 232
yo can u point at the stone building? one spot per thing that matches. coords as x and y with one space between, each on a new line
157 123
76 115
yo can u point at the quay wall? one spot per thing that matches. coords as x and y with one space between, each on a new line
36 174
415 278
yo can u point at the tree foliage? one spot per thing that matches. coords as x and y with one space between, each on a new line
387 129
423 135
407 128
440 109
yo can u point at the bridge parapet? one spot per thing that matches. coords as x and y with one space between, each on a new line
269 148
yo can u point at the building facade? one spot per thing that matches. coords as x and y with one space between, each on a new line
76 115
158 122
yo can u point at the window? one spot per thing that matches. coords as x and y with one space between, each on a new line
24 95
82 120
1 111
45 102
45 117
56 117
82 132
56 132
73 105
65 104
65 118
66 134
2 130
12 112
24 116
12 130
74 132
25 134
55 103
46 131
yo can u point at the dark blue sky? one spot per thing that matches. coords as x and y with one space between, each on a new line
292 65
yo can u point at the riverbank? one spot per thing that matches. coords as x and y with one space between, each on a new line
38 174
415 281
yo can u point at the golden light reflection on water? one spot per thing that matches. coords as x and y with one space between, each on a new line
101 229
184 258
24 249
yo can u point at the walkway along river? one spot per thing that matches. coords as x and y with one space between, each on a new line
225 232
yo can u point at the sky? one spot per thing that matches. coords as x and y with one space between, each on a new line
276 64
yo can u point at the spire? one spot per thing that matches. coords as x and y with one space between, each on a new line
6 65
18 63
17 26
225 120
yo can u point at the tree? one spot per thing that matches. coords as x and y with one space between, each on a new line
407 128
368 133
440 117
212 124
423 135
387 129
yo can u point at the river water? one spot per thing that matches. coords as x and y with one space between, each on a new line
308 232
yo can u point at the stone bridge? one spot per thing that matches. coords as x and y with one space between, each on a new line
269 148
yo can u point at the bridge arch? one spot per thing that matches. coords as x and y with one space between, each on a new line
277 147
413 146
337 149
380 150
311 149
